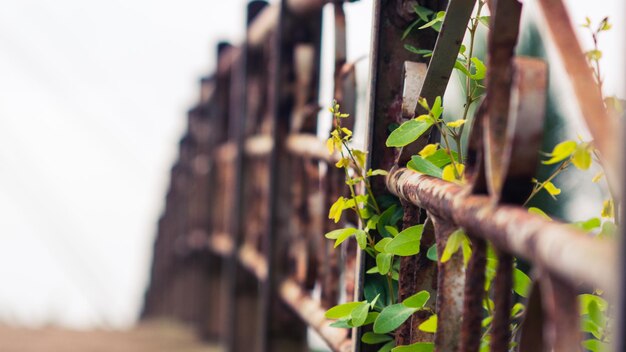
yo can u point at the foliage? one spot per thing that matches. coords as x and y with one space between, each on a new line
380 238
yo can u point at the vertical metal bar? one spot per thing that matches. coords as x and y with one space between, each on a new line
417 273
450 284
503 284
531 333
242 324
390 19
560 305
332 181
283 330
473 297
620 345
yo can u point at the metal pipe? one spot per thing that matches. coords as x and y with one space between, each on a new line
552 245
310 311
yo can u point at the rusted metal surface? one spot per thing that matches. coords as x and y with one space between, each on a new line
311 147
417 273
553 245
387 58
450 284
502 40
251 148
474 294
503 285
561 329
309 310
531 333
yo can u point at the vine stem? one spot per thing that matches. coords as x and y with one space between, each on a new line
540 186
468 81
449 150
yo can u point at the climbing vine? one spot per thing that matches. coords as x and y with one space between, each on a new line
380 238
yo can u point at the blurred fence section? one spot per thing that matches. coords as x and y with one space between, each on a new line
240 252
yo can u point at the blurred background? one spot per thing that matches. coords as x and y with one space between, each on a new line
93 96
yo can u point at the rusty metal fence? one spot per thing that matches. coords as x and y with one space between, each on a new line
240 252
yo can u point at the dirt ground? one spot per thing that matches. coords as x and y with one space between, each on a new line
148 337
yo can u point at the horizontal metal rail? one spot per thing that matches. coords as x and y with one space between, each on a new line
551 244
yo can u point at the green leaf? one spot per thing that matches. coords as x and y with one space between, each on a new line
453 244
387 347
392 230
407 242
361 238
459 65
437 109
371 338
407 133
484 20
376 286
595 314
585 299
374 301
441 158
341 235
422 12
389 217
517 307
588 225
417 300
587 325
595 345
383 262
416 347
371 317
342 324
424 166
432 253
430 325
422 52
380 246
560 152
438 18
480 69
359 314
408 29
341 311
391 317
521 283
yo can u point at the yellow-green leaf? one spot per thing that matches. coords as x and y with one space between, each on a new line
597 177
582 157
359 156
341 311
330 145
341 235
457 123
336 209
539 212
428 150
453 244
343 162
448 172
608 210
552 189
560 152
430 325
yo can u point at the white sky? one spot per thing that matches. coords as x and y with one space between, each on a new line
93 95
